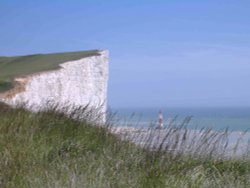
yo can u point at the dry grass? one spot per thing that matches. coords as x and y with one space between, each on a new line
50 149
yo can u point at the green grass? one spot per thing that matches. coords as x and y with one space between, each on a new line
11 67
48 149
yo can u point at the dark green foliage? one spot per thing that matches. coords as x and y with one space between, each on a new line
5 85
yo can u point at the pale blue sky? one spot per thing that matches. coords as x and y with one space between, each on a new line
162 53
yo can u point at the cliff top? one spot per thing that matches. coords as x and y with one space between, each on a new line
11 67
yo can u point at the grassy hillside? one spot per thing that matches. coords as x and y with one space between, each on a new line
48 149
22 65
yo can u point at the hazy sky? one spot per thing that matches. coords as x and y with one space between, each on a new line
162 53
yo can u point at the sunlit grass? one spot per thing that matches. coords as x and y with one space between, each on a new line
11 67
50 149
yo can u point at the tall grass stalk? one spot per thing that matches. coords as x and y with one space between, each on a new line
51 149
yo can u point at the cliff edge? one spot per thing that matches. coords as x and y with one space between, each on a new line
76 83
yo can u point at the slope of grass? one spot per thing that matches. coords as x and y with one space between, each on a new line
11 67
48 149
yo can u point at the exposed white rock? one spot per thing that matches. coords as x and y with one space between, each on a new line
77 83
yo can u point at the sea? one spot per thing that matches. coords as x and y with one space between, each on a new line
235 121
217 118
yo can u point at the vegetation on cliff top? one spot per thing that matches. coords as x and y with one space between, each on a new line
49 149
11 67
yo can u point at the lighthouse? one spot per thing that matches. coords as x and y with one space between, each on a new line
160 120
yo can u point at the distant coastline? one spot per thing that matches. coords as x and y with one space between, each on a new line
233 118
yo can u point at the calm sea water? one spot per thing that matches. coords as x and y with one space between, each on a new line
235 119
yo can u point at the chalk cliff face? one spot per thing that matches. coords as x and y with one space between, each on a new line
77 83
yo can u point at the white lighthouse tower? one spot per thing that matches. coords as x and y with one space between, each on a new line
160 120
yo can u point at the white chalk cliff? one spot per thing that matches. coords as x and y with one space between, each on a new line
78 83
